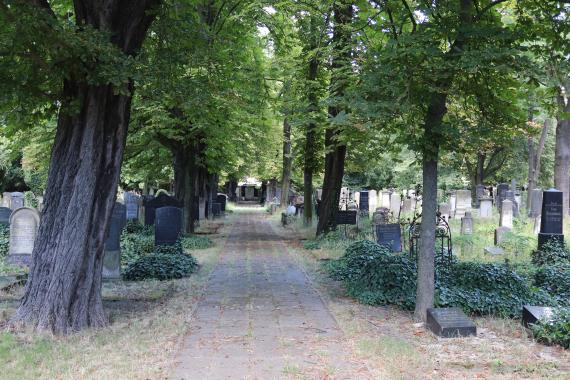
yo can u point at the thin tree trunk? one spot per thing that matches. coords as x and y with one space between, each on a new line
310 145
534 157
63 291
562 155
287 162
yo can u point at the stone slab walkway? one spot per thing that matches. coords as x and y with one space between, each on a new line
260 317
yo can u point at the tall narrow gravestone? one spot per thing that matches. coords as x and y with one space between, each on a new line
463 203
500 194
467 224
507 214
6 198
222 199
168 225
24 223
132 203
385 199
17 200
486 208
363 204
372 201
5 213
162 200
552 218
535 203
395 204
112 258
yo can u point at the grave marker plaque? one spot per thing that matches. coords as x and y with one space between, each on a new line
551 218
450 323
389 235
534 314
24 223
346 217
168 225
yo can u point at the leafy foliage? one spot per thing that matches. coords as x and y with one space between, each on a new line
136 242
193 242
4 239
161 266
555 279
556 330
553 252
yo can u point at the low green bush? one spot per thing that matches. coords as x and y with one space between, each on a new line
554 331
376 276
135 245
161 266
135 227
555 279
174 249
553 252
311 244
4 239
193 242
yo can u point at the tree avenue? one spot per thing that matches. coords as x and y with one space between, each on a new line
335 105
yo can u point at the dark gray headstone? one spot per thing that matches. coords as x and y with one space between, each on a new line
450 323
534 314
364 201
552 218
510 195
500 196
112 258
5 213
216 209
389 235
480 192
132 203
162 200
168 225
222 200
346 217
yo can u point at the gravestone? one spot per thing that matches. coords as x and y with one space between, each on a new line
452 203
467 224
17 200
450 323
168 225
501 234
5 213
201 208
406 206
480 192
217 209
132 203
112 258
494 251
152 204
6 197
395 204
506 219
444 211
352 206
500 194
222 200
535 314
40 203
381 216
510 195
363 206
24 223
552 218
535 203
463 203
346 217
486 208
372 201
385 199
389 235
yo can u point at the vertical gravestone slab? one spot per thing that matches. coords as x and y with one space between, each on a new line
24 223
389 235
507 214
385 199
17 200
162 200
372 201
535 206
462 203
510 195
551 218
6 199
132 203
168 225
500 194
222 200
467 224
112 258
486 208
480 192
5 213
364 204
450 323
407 206
395 204
444 211
217 209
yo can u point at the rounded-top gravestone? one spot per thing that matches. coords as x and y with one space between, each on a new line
162 200
168 225
24 223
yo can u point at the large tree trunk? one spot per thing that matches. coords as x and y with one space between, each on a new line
185 169
336 150
287 161
310 144
63 292
562 154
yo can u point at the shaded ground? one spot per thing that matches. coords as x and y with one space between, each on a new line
260 317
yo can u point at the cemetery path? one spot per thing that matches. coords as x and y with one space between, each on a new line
260 317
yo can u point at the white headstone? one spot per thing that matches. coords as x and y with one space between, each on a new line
395 204
372 201
385 199
6 200
463 203
24 223
485 208
507 214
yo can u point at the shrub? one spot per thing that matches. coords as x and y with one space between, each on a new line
555 279
161 266
554 331
193 242
174 249
4 239
135 227
351 265
552 252
135 246
311 244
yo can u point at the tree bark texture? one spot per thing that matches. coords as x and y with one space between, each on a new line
335 150
310 146
562 155
534 156
63 291
287 162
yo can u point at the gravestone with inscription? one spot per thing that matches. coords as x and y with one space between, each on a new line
467 224
346 217
168 225
372 201
385 199
389 235
381 216
480 192
510 195
6 198
407 206
551 218
132 203
24 223
112 258
155 203
452 203
363 204
17 200
450 323
462 203
486 208
5 213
